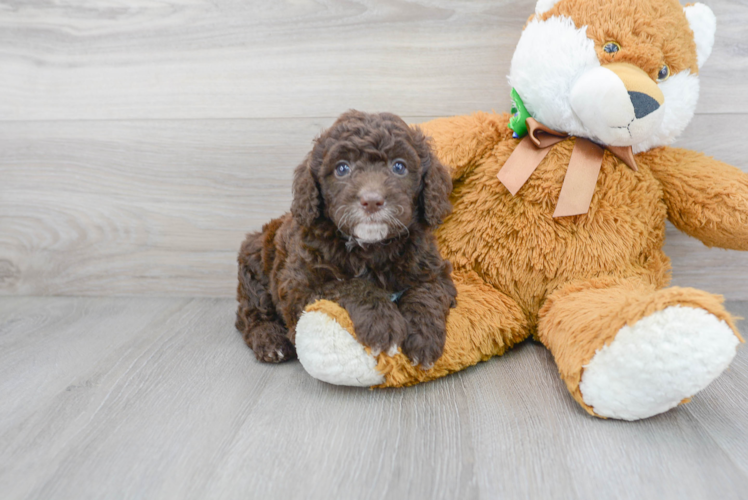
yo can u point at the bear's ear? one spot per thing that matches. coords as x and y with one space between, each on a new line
544 6
704 25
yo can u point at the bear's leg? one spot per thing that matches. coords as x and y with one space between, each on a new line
484 324
627 350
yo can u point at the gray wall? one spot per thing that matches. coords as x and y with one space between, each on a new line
139 141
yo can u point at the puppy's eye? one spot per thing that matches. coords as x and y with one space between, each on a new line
342 169
664 74
399 168
611 47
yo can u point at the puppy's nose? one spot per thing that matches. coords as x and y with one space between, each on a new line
371 201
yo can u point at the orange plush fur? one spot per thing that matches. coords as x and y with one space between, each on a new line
573 282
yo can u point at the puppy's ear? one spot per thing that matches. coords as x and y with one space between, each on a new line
436 185
305 206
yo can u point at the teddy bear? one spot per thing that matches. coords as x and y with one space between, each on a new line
559 217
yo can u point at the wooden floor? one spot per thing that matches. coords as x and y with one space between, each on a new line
159 398
140 140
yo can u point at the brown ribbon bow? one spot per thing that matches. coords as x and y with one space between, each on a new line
581 175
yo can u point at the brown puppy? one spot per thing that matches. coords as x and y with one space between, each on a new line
359 233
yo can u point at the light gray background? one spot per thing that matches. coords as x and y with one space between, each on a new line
139 141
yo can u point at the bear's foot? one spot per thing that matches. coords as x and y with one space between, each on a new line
484 324
628 350
329 352
657 363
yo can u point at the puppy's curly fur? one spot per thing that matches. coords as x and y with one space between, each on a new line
365 200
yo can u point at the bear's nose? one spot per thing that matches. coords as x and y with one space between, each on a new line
371 201
643 104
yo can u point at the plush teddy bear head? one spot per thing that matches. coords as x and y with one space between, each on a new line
618 72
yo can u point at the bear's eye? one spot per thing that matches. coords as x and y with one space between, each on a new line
611 47
399 168
342 169
664 74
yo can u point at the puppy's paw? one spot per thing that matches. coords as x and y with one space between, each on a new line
276 351
423 345
382 332
271 345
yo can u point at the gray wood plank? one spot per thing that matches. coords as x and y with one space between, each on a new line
256 59
163 205
159 398
160 207
721 406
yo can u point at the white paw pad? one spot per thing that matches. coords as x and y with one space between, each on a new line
653 365
329 353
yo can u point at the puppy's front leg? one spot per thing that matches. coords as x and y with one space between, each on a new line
425 308
376 319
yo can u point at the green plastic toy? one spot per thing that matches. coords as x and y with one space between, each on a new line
519 116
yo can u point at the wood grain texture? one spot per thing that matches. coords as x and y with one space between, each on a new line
160 207
159 398
170 59
140 140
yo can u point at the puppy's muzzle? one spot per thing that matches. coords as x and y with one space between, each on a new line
371 201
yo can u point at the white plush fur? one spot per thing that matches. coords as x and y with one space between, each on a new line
600 99
653 365
704 25
370 232
549 57
681 93
329 353
556 71
544 6
600 96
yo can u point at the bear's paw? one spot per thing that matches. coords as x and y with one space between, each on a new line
659 362
328 352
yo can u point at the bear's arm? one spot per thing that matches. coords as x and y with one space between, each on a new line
705 198
460 141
